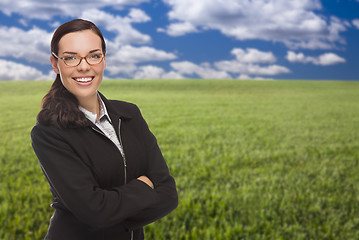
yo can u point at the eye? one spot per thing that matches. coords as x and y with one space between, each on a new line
96 56
69 58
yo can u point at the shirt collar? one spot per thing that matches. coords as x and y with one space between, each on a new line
93 116
103 109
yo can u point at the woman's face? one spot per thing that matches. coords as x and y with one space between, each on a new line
84 79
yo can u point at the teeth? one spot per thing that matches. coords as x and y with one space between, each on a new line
83 79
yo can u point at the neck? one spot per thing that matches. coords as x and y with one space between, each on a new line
91 104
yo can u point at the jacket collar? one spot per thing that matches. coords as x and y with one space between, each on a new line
115 112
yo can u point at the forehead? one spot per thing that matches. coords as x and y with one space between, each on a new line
80 42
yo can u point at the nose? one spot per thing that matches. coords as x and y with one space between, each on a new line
83 66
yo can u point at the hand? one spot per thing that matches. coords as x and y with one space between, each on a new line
146 180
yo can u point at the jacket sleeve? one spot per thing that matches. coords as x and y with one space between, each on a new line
72 181
164 183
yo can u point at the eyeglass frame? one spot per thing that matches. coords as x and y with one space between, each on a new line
62 58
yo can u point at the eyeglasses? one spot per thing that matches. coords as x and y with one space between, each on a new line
74 60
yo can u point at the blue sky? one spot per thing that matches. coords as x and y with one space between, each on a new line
239 39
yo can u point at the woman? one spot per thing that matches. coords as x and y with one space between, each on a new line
106 172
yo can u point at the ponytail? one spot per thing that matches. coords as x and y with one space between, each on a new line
59 108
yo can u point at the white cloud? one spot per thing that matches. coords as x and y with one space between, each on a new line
121 26
251 69
247 63
247 77
124 69
138 16
124 59
203 71
356 22
14 71
253 56
154 72
45 10
330 59
323 60
23 22
294 57
143 72
130 54
55 24
16 43
179 29
296 23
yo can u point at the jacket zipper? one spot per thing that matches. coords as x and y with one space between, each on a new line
122 150
123 157
122 153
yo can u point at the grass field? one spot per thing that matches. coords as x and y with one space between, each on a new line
252 159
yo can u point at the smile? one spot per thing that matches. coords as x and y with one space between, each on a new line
83 79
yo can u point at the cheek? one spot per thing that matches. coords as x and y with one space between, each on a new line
65 71
101 67
99 70
65 74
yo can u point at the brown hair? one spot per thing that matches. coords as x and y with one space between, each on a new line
59 107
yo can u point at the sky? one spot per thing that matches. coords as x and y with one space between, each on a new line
174 39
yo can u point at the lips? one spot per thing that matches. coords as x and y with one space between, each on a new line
83 79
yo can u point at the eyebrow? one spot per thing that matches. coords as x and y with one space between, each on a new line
92 51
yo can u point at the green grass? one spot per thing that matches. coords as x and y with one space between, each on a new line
252 159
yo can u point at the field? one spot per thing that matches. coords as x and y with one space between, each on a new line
252 159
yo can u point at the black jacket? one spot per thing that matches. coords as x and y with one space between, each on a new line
86 173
